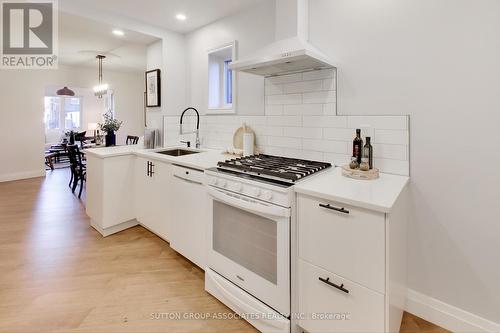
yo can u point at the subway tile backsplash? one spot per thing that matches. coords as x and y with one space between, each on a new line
300 121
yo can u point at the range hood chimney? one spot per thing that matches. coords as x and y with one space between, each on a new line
291 53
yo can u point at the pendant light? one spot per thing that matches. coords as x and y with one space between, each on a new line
65 92
102 88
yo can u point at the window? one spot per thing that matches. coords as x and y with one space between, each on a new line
221 79
72 111
228 83
52 113
110 102
62 113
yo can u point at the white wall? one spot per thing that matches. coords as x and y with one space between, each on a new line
253 29
169 55
185 60
439 62
173 58
21 112
154 60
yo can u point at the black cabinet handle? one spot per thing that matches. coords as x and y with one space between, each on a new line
341 210
150 171
331 284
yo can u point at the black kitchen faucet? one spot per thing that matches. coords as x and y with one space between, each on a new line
197 131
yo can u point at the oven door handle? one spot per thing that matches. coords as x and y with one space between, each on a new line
249 205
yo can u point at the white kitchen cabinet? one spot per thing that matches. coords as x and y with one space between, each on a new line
356 309
110 193
350 243
189 220
349 261
153 188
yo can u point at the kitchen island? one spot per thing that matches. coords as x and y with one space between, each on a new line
129 185
114 177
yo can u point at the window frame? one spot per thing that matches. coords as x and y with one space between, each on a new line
223 108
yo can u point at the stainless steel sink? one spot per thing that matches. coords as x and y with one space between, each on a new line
177 152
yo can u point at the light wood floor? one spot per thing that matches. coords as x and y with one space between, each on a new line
59 275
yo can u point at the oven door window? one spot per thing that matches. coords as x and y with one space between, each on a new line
247 239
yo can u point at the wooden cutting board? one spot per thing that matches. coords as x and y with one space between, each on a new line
238 138
358 174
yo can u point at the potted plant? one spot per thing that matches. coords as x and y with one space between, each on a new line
110 125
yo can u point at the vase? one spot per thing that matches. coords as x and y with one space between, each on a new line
110 139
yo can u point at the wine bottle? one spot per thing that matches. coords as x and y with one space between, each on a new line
357 146
368 152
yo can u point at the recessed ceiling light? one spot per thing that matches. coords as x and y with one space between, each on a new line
181 17
117 32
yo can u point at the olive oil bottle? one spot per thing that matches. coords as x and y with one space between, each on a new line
368 152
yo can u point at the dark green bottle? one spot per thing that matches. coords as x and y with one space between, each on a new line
368 152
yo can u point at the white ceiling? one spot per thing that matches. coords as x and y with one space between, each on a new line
81 39
162 13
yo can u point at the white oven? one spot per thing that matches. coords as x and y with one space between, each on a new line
249 248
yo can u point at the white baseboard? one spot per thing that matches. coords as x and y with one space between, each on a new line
114 229
447 316
22 175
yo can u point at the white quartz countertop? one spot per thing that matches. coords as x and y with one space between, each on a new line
104 152
379 194
206 158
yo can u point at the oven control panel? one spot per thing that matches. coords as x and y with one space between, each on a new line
251 189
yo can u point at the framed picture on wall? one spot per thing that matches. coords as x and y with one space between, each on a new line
153 88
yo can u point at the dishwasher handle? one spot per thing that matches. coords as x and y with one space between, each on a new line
188 180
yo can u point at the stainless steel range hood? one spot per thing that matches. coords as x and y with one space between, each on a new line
292 54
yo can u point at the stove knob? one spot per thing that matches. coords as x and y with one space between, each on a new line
212 180
255 192
221 182
267 195
236 187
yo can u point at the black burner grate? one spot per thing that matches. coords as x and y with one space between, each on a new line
285 168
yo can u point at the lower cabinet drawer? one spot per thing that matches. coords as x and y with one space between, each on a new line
349 241
326 308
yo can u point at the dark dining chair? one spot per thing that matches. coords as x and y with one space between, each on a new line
82 139
132 140
78 169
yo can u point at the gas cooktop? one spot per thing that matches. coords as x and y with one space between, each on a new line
273 168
